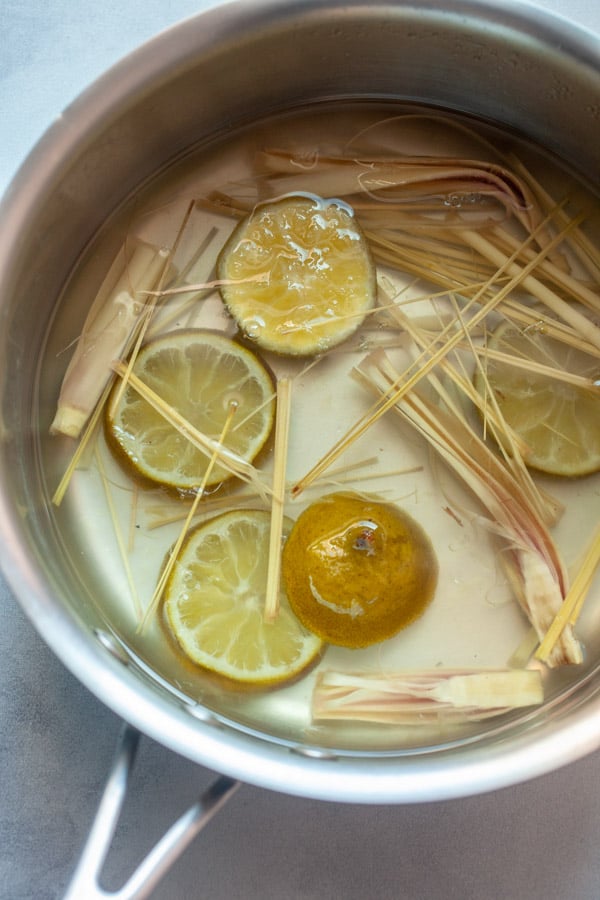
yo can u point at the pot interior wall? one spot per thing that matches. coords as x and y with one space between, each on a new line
203 81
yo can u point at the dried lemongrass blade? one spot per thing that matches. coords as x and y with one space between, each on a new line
175 550
583 248
140 331
168 513
568 613
282 432
430 356
121 544
423 697
404 176
531 559
106 333
582 324
575 287
82 446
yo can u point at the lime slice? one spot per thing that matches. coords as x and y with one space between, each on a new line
558 421
199 374
214 604
321 278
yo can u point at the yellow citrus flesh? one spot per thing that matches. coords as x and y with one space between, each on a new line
357 571
199 374
558 422
321 278
214 604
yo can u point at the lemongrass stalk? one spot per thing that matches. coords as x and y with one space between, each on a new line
106 332
582 325
571 607
572 285
133 518
531 558
90 428
520 658
445 177
118 533
584 249
139 334
537 368
424 697
544 506
535 319
420 367
162 517
173 555
260 278
540 502
282 431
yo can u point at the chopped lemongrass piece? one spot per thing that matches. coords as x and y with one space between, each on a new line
569 611
537 368
566 311
81 448
260 278
282 432
118 533
372 476
139 335
574 286
404 178
133 518
162 516
207 445
531 558
106 334
423 697
525 650
446 341
164 576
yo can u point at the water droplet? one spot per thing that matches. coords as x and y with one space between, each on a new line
253 328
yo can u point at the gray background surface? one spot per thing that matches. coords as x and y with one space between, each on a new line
537 841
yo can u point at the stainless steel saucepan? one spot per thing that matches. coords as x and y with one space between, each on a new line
504 62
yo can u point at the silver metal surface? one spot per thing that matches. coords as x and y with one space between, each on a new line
498 60
86 881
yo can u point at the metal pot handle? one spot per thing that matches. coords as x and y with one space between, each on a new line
85 880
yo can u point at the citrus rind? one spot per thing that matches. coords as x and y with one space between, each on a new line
199 374
318 275
558 422
214 604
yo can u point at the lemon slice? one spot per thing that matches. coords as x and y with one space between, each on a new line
214 604
558 421
199 374
321 278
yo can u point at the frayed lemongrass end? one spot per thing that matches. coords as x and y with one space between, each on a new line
68 421
422 697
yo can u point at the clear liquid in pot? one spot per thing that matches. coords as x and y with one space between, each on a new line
474 620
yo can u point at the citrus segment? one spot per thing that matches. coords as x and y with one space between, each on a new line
199 374
357 571
214 604
320 279
559 422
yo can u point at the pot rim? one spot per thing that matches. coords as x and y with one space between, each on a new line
301 770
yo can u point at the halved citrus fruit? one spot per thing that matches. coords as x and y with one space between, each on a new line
357 571
559 422
319 278
214 604
199 374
